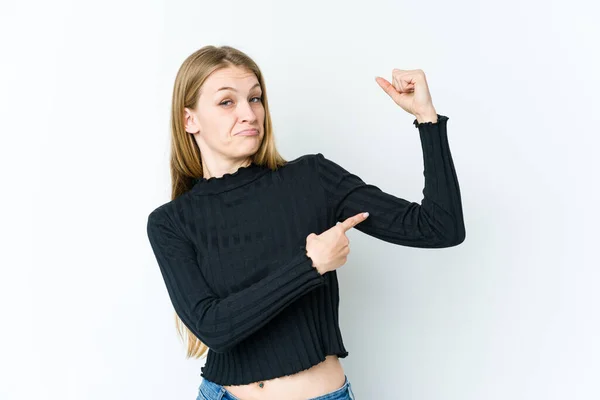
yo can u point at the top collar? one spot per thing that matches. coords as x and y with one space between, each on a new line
228 181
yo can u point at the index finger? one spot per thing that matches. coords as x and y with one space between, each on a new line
353 221
387 87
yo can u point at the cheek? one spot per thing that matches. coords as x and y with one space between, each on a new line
261 114
224 128
218 135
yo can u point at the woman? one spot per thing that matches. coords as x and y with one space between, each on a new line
249 244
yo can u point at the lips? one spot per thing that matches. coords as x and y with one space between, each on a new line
248 132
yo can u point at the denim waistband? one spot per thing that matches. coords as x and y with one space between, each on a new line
209 390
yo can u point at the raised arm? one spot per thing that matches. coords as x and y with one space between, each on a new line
436 222
222 323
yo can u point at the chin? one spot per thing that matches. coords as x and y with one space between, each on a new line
250 148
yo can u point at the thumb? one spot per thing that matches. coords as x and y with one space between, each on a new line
388 88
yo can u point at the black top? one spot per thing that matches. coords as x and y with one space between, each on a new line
232 253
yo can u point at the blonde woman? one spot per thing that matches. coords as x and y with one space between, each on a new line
249 244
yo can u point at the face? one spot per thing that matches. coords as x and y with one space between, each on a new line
222 114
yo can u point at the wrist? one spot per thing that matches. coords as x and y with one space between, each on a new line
312 263
426 114
318 269
430 116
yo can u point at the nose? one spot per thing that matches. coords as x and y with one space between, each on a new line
246 112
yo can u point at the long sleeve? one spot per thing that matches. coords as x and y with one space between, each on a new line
222 323
436 222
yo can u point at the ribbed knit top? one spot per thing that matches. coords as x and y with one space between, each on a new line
232 253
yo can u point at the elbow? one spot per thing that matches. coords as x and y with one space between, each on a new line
217 345
220 342
457 237
451 237
220 347
218 350
203 331
458 240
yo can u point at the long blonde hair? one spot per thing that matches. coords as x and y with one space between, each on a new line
185 160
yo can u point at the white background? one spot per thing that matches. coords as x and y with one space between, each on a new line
512 313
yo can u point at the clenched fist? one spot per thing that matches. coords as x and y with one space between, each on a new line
409 89
330 249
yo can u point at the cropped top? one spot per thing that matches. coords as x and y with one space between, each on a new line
232 253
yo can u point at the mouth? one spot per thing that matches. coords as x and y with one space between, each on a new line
247 132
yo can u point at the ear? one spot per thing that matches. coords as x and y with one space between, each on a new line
190 121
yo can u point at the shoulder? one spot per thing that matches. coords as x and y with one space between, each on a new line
159 216
303 159
305 165
167 212
323 164
164 222
319 164
311 160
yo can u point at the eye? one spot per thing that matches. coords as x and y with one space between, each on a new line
224 103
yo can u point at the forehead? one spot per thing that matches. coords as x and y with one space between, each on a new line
238 78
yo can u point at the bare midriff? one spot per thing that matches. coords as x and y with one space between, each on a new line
325 377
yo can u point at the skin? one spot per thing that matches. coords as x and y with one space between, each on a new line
214 124
220 114
409 90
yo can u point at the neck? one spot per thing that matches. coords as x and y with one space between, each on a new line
218 170
228 180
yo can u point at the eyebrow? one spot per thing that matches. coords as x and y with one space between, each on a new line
235 90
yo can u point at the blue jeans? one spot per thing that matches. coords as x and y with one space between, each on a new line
213 391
